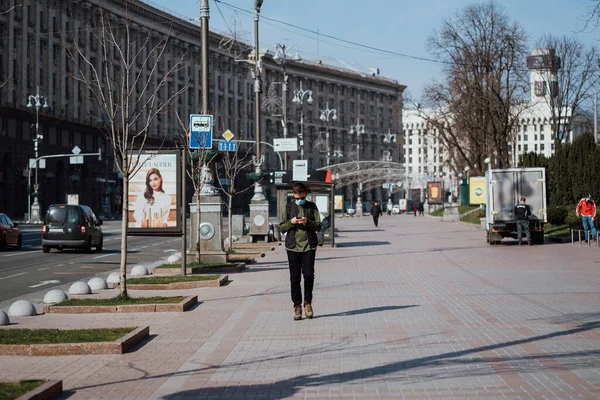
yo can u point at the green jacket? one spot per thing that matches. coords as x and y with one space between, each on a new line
301 232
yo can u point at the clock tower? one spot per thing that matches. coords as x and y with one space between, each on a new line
544 65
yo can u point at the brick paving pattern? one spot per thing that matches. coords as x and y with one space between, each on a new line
417 309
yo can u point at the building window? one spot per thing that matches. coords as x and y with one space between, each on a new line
540 88
542 147
535 147
541 137
535 137
541 128
519 147
525 137
525 148
524 128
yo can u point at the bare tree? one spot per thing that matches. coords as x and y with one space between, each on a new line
232 165
571 86
130 91
475 109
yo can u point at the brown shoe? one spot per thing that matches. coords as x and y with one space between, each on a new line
297 313
308 311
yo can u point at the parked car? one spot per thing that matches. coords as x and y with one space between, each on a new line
71 226
395 209
10 234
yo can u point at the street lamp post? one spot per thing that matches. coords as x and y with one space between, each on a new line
359 129
299 99
259 205
326 114
281 58
36 102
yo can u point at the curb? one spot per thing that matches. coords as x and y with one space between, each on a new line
48 391
175 307
239 267
558 239
177 285
119 346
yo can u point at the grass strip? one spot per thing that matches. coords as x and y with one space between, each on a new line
474 218
123 301
54 336
199 265
558 230
14 390
437 213
153 280
464 209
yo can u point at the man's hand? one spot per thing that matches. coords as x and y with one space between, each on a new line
302 220
294 221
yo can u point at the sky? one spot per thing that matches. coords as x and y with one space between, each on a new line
399 26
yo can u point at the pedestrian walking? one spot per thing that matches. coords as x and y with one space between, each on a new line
421 208
522 213
376 212
415 208
301 221
587 208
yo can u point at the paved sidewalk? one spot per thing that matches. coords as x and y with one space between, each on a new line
416 309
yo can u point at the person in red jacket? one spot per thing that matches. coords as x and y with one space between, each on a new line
587 209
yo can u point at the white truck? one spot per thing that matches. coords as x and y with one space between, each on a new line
504 188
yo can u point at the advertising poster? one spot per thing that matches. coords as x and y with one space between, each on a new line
339 202
477 190
434 193
154 201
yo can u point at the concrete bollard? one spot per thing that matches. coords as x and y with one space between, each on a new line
22 308
4 320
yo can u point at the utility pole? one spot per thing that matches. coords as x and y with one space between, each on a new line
259 205
204 17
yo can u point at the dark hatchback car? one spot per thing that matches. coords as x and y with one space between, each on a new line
71 227
10 235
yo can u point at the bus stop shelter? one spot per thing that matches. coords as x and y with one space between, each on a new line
320 193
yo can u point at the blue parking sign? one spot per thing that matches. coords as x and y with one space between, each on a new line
201 131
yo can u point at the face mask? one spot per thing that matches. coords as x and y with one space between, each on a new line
300 201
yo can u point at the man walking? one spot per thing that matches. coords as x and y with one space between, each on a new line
376 212
301 220
522 213
587 209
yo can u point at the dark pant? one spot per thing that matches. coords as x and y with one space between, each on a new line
376 219
305 263
523 225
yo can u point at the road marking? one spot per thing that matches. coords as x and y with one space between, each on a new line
67 273
19 254
96 267
12 276
104 255
169 251
43 283
144 247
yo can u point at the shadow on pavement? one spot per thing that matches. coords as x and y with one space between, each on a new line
471 366
364 311
461 363
360 244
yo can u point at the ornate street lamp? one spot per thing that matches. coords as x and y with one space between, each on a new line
326 115
299 99
36 102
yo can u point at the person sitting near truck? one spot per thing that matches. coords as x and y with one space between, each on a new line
522 213
587 209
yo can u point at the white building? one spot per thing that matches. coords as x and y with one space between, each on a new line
425 158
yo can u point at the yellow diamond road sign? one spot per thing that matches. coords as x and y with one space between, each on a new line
228 135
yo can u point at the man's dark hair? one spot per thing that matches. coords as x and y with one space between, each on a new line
299 188
523 198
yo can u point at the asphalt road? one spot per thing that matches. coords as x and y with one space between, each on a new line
28 271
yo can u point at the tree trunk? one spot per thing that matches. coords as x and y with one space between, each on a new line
124 219
198 227
230 223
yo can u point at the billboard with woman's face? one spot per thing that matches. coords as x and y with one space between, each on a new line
154 194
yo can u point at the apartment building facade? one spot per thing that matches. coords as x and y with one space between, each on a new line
37 36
